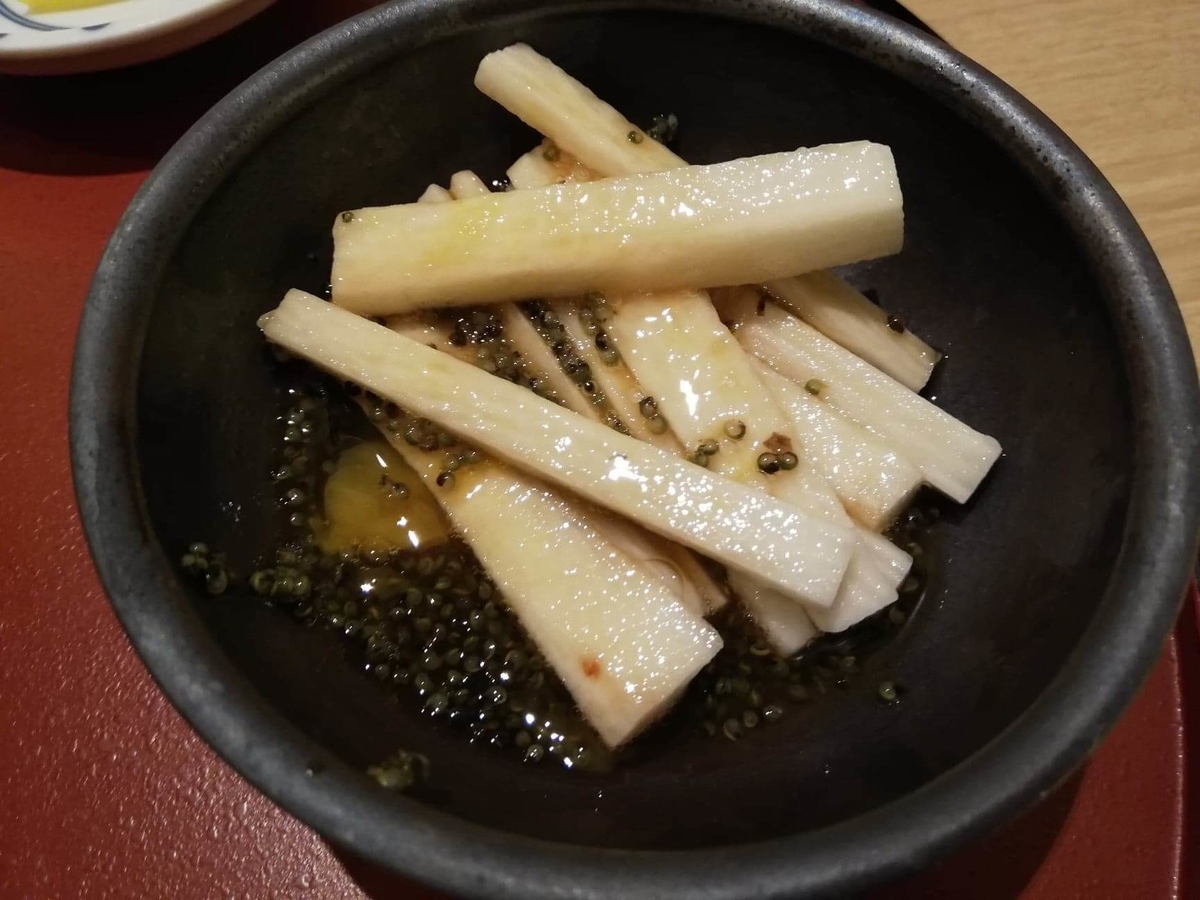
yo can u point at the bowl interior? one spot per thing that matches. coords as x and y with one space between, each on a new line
987 274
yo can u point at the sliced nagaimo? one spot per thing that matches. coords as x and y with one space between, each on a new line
702 380
577 121
952 457
615 630
621 390
707 388
745 220
523 337
873 482
719 518
782 621
833 307
544 165
435 193
677 566
696 588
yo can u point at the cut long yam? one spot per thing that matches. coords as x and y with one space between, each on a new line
741 221
873 482
840 312
619 386
704 381
614 629
435 193
545 165
707 387
952 456
467 184
526 341
551 102
701 379
719 518
535 355
893 562
595 136
782 621
674 565
694 587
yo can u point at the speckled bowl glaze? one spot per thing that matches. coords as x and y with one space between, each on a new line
1053 590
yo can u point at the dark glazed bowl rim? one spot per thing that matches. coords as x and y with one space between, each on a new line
1050 739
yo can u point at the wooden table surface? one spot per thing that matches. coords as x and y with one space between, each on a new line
1123 80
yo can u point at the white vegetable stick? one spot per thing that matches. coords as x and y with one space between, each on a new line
534 170
692 372
526 341
435 193
550 101
690 584
719 518
840 312
620 388
703 382
553 103
520 333
431 334
782 621
702 379
952 457
467 184
537 169
893 562
873 482
614 629
745 220
695 587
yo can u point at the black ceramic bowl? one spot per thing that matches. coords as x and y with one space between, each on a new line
1053 591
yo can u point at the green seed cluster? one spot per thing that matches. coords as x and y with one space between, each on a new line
769 463
593 313
423 434
648 407
307 453
432 625
401 771
209 567
494 353
735 429
704 450
554 333
747 685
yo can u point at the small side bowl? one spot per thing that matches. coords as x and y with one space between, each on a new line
1055 587
115 34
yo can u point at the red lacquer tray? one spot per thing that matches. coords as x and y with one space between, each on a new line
106 793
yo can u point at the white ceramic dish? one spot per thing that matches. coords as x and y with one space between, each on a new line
109 35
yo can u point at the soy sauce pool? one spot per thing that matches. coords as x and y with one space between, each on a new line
429 623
